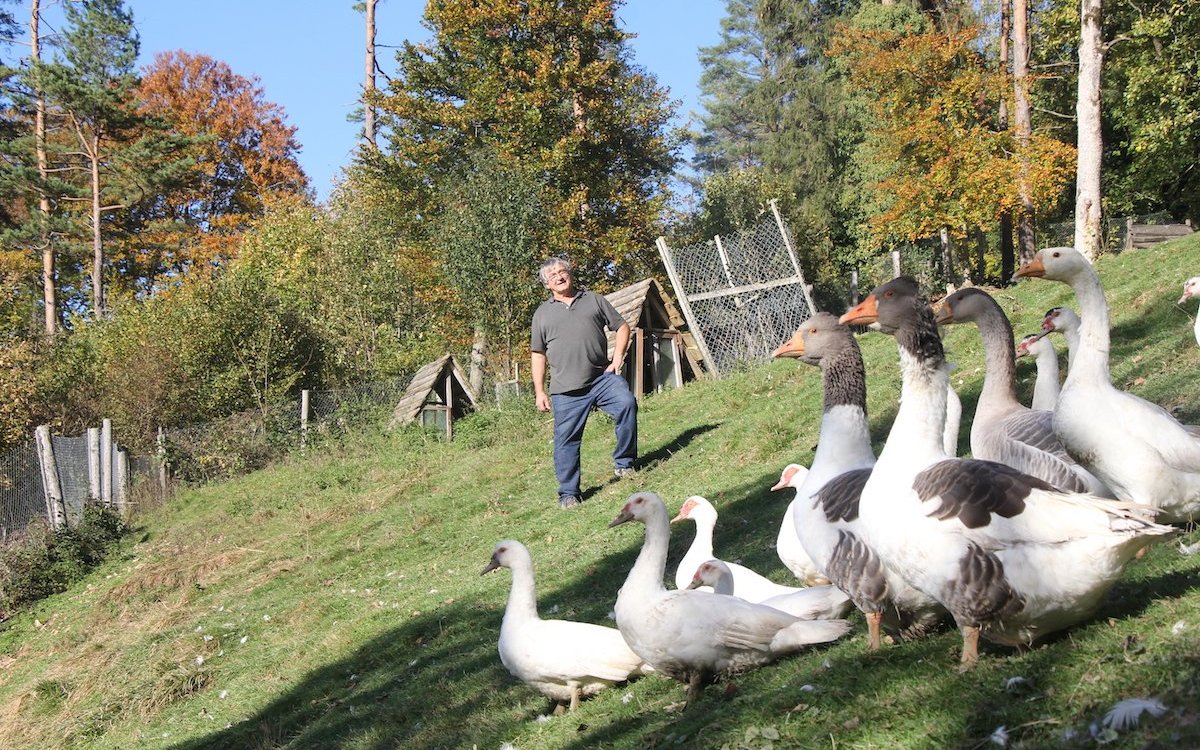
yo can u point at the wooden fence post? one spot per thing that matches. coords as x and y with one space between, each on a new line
895 264
106 460
93 448
853 288
304 395
161 455
56 509
122 483
1128 232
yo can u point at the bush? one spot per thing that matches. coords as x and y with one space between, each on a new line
46 561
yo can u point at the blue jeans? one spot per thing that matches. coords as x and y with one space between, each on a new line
611 394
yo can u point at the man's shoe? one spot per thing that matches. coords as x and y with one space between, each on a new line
622 473
568 501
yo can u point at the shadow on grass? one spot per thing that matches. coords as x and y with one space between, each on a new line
435 680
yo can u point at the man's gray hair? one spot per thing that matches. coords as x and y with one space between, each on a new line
553 262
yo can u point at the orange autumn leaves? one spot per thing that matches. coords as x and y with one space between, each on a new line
937 154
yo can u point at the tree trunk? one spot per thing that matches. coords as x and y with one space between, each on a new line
369 85
97 246
1023 127
49 298
947 256
1087 110
478 349
1008 264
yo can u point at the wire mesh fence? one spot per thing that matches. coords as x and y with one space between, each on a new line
22 495
743 294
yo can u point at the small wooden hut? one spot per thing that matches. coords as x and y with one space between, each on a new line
438 395
661 353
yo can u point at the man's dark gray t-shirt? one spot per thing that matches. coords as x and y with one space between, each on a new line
573 339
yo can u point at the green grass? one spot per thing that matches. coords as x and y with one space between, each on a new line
335 601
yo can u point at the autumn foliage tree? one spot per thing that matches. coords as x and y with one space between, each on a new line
943 161
244 155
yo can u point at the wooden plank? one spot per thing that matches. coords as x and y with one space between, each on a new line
747 288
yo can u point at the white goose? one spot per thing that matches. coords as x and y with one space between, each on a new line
1009 556
827 519
809 603
561 659
1191 288
1045 357
751 586
697 636
1004 429
787 544
1135 446
1063 320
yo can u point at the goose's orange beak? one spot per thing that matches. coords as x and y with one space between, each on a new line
1033 268
793 347
864 313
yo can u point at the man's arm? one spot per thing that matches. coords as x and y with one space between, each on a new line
537 367
619 348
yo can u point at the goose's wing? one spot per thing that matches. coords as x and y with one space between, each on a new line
567 650
997 506
1026 442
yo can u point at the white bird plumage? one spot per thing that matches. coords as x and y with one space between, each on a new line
1133 445
696 636
1045 359
1191 288
827 497
562 659
1009 556
823 602
755 587
790 550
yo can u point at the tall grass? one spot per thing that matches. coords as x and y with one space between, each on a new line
334 601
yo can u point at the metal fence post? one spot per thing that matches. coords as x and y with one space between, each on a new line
56 509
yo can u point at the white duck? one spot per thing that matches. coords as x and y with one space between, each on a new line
827 497
1191 288
823 602
561 659
697 636
752 586
1136 447
1012 558
787 544
1004 429
1045 357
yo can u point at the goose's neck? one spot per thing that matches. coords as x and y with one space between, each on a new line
1045 389
522 598
918 430
647 571
845 431
1090 356
703 544
1000 373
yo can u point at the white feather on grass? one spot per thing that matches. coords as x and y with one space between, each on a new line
1127 713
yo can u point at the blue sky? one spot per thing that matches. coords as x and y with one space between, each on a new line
308 55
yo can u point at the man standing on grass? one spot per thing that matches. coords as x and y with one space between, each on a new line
568 330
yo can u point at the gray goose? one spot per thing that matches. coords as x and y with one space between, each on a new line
1004 429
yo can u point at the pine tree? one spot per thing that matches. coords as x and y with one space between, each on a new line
549 84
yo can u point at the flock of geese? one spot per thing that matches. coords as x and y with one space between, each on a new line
1020 541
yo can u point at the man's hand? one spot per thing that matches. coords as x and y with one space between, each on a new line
615 366
542 401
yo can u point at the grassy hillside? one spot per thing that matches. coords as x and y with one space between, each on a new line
335 601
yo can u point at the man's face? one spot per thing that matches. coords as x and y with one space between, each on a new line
558 279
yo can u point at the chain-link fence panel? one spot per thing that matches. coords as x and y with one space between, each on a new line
71 458
744 294
22 496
